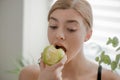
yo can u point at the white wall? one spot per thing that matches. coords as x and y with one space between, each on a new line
23 32
11 15
35 28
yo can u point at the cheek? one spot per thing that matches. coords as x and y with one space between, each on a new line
76 39
50 36
75 43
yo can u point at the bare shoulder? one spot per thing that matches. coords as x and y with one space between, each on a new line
29 73
109 75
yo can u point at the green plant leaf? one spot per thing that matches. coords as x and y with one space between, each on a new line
119 66
106 59
118 49
109 41
113 65
117 58
15 71
103 58
97 59
115 42
20 62
102 55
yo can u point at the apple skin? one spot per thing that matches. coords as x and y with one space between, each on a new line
51 55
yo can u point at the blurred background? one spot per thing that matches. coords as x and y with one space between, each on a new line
23 30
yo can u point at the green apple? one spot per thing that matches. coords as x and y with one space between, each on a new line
51 55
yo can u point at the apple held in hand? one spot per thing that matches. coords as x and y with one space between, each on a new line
51 55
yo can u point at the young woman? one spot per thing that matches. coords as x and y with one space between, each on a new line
70 25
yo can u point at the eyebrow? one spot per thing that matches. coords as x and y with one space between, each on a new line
72 21
53 19
68 21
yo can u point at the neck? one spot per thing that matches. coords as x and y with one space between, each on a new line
77 66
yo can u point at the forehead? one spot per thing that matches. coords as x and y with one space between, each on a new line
66 14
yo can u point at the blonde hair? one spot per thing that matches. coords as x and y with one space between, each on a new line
81 6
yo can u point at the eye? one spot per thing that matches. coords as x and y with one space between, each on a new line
71 30
53 27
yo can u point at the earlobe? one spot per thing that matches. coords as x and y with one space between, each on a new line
88 35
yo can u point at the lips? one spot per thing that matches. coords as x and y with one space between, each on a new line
60 46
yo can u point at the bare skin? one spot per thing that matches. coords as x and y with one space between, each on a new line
32 73
68 31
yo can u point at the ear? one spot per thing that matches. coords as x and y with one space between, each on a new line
88 35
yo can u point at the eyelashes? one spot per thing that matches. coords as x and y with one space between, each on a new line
68 29
53 27
71 30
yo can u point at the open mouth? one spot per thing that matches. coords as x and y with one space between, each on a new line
58 47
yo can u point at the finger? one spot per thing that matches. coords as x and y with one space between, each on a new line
59 64
62 61
59 76
42 65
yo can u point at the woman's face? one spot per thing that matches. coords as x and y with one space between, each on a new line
66 30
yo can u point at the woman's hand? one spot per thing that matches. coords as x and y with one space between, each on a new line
53 72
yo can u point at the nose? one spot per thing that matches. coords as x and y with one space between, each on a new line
60 35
